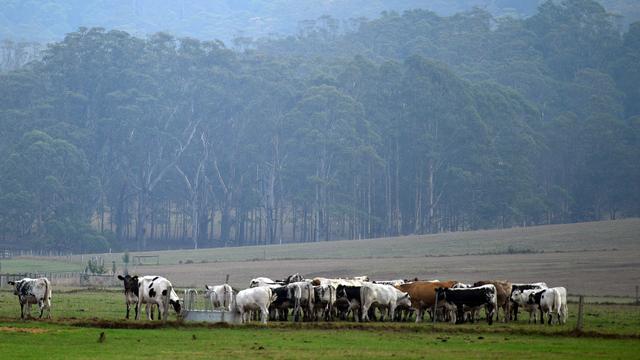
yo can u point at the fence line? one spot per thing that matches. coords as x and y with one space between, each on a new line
70 278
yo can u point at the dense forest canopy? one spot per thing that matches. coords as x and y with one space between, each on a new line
409 123
27 26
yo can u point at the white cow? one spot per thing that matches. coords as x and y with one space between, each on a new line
390 282
336 282
153 290
264 281
554 301
219 296
33 291
303 296
382 296
252 299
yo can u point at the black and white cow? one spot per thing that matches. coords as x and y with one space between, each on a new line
522 287
325 298
303 296
153 290
279 308
552 301
33 291
520 298
456 300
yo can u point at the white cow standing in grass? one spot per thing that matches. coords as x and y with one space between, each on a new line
154 290
253 299
552 301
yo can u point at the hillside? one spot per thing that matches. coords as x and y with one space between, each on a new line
583 257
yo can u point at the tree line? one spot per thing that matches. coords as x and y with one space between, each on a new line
413 123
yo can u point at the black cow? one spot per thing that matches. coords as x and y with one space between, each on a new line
279 309
457 300
354 303
130 291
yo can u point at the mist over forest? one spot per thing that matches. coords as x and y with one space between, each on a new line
266 122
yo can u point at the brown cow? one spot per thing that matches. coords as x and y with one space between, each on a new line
503 289
423 294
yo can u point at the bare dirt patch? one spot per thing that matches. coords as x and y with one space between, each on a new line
22 330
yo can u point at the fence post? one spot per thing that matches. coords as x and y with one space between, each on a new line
580 322
637 297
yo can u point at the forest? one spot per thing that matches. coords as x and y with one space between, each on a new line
408 123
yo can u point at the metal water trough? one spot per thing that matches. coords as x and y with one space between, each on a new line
209 314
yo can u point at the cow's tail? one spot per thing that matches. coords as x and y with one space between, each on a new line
364 292
228 297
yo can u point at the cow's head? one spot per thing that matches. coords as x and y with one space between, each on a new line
516 295
130 283
176 305
404 300
341 292
294 278
16 286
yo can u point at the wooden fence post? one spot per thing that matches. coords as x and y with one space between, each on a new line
580 322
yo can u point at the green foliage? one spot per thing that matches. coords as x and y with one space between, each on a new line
408 123
95 265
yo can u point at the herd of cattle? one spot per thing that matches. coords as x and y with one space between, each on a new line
322 298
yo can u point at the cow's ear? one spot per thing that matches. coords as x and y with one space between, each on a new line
12 283
121 277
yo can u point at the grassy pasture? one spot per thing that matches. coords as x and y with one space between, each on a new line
80 316
63 342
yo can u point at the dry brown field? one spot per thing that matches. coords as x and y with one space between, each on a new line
597 259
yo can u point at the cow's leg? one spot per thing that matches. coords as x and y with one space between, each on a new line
138 310
41 306
22 310
507 309
128 307
264 314
149 311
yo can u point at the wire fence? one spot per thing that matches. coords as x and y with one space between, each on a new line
66 278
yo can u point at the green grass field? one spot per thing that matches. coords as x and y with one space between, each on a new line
80 316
